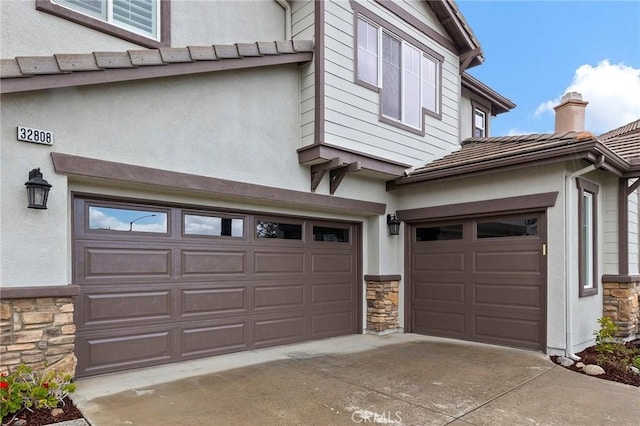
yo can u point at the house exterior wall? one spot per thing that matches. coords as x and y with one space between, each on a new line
352 111
192 23
610 225
468 102
303 27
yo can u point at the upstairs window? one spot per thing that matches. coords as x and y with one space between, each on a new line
405 75
144 22
479 123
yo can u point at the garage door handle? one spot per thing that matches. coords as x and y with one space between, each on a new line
544 249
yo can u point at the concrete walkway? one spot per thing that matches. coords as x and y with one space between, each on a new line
362 379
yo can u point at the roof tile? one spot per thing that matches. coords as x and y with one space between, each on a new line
80 62
303 45
248 49
226 51
267 47
175 54
145 57
113 60
9 68
632 127
202 53
285 46
38 65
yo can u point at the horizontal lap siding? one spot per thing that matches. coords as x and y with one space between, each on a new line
302 23
352 111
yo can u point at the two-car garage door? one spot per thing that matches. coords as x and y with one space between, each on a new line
481 279
161 284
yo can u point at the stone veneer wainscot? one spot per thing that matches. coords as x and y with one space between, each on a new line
37 331
621 303
382 303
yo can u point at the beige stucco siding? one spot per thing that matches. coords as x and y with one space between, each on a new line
30 32
352 111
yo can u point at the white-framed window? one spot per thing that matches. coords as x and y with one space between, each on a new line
138 16
479 123
587 237
407 77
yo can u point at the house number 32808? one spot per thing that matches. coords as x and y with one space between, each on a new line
27 134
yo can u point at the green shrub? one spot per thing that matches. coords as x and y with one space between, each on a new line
25 389
605 342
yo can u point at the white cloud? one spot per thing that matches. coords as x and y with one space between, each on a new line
515 131
613 93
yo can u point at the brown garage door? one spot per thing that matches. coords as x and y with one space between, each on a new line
163 284
480 279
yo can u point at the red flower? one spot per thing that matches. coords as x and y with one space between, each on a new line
4 385
45 384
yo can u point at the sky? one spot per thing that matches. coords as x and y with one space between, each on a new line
535 51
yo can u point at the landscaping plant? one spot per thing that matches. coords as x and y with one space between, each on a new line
25 389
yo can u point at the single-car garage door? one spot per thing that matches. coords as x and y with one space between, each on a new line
161 284
480 279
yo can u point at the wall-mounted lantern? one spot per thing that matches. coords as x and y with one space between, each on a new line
37 190
394 224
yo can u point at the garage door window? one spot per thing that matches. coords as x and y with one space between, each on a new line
212 226
127 220
439 233
286 231
336 235
508 227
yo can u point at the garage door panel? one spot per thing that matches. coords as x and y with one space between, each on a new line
279 263
126 262
332 263
188 294
482 289
109 352
329 292
279 296
122 307
205 263
269 332
447 323
213 301
508 294
510 331
332 324
438 262
213 339
504 262
432 291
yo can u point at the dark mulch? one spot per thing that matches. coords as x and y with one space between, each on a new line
615 369
43 416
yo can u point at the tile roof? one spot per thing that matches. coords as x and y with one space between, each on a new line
476 151
633 127
152 62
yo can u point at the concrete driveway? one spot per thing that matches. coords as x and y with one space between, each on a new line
362 379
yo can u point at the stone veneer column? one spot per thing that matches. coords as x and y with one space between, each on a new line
621 304
382 303
38 332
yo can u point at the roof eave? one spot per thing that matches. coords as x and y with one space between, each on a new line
499 104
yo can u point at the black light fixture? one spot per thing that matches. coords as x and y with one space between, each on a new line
37 190
394 224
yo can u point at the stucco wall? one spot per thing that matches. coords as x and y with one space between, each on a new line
26 31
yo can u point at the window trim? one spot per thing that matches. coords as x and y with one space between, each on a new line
481 108
48 6
427 53
592 189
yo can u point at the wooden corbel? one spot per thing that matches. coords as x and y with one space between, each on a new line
319 170
337 174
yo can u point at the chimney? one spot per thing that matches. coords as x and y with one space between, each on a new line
570 113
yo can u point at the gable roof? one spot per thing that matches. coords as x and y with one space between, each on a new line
25 73
618 154
627 129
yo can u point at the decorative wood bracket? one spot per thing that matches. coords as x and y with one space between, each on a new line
467 57
337 171
633 186
337 174
319 170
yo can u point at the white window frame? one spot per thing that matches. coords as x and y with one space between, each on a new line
479 114
406 120
108 17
